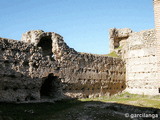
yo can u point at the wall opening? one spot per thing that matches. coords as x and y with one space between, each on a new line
159 90
51 87
46 44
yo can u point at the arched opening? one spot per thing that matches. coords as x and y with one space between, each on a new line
46 44
51 87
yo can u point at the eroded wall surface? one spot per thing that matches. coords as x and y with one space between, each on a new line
45 67
118 37
118 41
16 84
141 64
157 30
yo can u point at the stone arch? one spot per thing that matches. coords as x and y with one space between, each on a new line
51 87
46 44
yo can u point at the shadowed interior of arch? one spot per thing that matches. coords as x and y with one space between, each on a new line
50 87
46 44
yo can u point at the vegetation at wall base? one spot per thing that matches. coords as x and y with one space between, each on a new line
130 99
112 54
71 109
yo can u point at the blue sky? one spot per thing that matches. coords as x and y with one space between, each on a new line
84 24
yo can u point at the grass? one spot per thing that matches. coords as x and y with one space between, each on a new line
131 99
112 54
120 47
71 109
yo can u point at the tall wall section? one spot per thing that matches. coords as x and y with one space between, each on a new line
16 83
141 63
157 27
42 66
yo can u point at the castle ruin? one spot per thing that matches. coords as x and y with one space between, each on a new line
157 28
42 66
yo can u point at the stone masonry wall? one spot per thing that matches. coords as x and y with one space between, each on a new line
94 76
118 37
45 68
16 84
141 63
157 28
118 40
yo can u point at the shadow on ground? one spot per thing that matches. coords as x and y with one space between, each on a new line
76 110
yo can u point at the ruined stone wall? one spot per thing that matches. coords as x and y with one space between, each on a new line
142 59
118 41
94 76
16 84
141 63
45 67
118 37
157 29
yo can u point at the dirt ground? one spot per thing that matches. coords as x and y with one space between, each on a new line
77 110
108 111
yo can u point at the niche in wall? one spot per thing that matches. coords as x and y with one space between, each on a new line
51 87
46 44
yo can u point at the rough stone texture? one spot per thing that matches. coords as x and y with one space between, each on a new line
44 67
118 41
32 36
157 29
139 51
16 83
141 64
118 37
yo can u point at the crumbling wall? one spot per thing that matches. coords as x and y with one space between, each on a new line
27 68
85 75
16 84
118 40
93 76
157 30
141 63
118 37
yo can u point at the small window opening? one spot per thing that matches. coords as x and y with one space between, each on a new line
46 45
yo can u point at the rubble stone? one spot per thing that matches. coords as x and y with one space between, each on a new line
47 68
